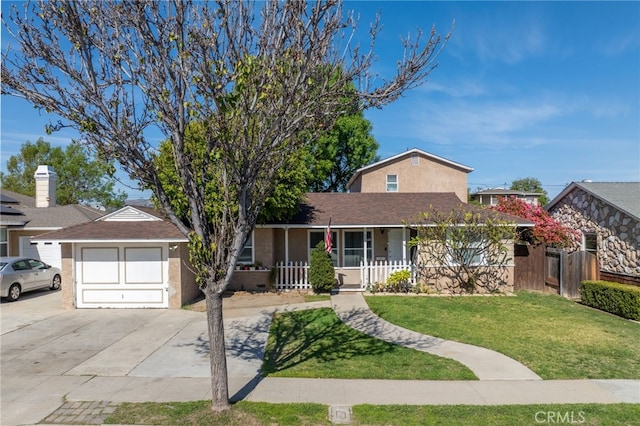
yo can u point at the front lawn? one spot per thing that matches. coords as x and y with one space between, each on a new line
315 343
556 338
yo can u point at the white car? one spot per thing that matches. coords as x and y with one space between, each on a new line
20 274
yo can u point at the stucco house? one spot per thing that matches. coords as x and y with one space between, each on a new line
136 258
23 217
412 171
607 214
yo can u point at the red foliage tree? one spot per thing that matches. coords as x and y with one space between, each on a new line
546 230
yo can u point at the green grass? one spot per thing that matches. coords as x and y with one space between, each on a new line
315 343
556 338
198 413
507 415
255 413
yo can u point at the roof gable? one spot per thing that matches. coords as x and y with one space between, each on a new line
624 196
402 155
129 214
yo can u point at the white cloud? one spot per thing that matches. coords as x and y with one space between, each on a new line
505 41
619 43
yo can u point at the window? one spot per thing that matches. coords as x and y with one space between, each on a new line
36 264
466 251
354 247
590 242
246 255
392 183
3 242
316 236
415 159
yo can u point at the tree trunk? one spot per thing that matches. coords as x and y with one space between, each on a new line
217 353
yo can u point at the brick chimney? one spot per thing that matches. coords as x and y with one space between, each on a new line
45 186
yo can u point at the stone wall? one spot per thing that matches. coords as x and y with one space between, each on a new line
618 234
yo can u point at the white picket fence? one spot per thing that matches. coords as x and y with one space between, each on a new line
378 271
292 276
295 275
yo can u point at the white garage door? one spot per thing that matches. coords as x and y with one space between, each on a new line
118 276
47 251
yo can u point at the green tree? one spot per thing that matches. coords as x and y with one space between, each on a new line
322 276
289 188
263 83
82 178
531 184
337 154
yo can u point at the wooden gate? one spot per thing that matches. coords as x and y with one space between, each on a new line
567 270
528 271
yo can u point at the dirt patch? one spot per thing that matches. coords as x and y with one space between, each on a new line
244 299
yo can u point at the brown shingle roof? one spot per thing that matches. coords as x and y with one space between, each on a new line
375 209
116 231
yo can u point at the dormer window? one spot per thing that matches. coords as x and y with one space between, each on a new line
392 183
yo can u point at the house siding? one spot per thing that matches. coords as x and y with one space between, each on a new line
618 234
68 277
428 176
182 281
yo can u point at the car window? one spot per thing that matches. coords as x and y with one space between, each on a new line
21 265
36 264
3 264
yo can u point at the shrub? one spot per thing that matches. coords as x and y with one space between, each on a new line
322 276
400 281
619 299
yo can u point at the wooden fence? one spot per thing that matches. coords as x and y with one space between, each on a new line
552 270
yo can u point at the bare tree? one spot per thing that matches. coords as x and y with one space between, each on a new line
464 250
263 82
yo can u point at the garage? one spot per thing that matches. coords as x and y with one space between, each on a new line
131 258
122 276
46 251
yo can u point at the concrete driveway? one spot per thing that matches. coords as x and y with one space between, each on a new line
48 353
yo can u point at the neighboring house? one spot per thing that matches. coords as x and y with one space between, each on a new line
131 258
412 171
490 197
607 214
23 217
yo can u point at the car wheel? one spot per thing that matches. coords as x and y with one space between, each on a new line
55 284
14 292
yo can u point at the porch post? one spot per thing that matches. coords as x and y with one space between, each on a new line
365 244
404 245
286 245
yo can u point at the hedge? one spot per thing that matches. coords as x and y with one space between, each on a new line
619 299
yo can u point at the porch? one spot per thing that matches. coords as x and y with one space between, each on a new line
295 275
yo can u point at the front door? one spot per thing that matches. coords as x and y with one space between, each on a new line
395 244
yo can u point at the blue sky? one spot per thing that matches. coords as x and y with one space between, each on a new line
543 89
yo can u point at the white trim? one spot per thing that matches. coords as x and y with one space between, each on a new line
129 214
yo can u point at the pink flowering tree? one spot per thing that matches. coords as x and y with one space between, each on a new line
546 230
